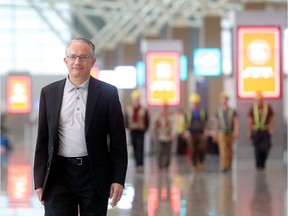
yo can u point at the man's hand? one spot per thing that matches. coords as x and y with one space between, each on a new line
271 131
39 192
116 191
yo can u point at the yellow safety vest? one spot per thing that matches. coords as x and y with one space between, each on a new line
189 117
180 123
259 121
223 125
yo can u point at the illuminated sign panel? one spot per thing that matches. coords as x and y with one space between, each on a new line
140 68
183 68
94 72
207 62
258 56
163 82
18 94
123 77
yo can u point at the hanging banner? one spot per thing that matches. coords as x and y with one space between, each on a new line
163 82
18 94
258 60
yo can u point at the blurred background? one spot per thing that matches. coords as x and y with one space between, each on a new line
167 50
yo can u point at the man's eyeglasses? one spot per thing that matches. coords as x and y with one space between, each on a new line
83 58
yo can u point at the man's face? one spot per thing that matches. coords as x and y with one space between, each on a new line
165 108
195 105
79 60
136 101
224 101
259 100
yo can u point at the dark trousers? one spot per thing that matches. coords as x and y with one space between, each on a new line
72 186
164 153
262 144
181 145
137 140
197 149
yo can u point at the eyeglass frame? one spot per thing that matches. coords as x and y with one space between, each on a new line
83 58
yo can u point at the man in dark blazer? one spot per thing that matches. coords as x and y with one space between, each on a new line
81 153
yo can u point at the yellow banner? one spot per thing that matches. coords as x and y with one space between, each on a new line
258 54
18 94
163 69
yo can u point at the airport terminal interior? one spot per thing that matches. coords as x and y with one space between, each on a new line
167 50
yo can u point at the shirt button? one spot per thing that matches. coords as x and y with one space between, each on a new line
77 88
78 108
78 98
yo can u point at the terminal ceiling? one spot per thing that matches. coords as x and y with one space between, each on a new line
110 22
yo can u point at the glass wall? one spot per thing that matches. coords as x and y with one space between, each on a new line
33 37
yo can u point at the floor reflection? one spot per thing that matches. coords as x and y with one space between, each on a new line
225 198
261 199
181 192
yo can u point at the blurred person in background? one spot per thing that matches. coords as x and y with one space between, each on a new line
179 124
197 125
226 130
5 144
163 136
81 150
260 129
137 123
5 148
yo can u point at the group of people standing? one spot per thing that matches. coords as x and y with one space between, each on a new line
191 129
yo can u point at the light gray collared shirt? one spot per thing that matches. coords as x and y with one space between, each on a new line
71 129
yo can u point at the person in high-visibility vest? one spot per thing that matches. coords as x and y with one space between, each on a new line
197 125
137 123
260 129
226 130
179 124
163 136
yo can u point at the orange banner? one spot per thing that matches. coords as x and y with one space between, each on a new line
18 94
258 51
163 82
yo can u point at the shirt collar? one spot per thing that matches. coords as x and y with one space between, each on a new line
70 86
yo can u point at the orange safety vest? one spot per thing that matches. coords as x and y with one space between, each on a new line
141 118
167 127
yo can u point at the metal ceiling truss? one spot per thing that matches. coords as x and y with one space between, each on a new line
126 20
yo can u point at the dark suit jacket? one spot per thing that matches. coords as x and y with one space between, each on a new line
104 130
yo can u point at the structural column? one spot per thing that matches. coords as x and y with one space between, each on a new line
210 37
109 58
127 56
181 33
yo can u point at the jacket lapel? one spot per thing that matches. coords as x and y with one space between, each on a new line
92 97
57 98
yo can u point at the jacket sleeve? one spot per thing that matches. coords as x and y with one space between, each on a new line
41 150
118 144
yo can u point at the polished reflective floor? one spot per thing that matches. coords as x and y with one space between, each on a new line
180 191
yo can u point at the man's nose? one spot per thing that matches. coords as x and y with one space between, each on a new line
78 59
